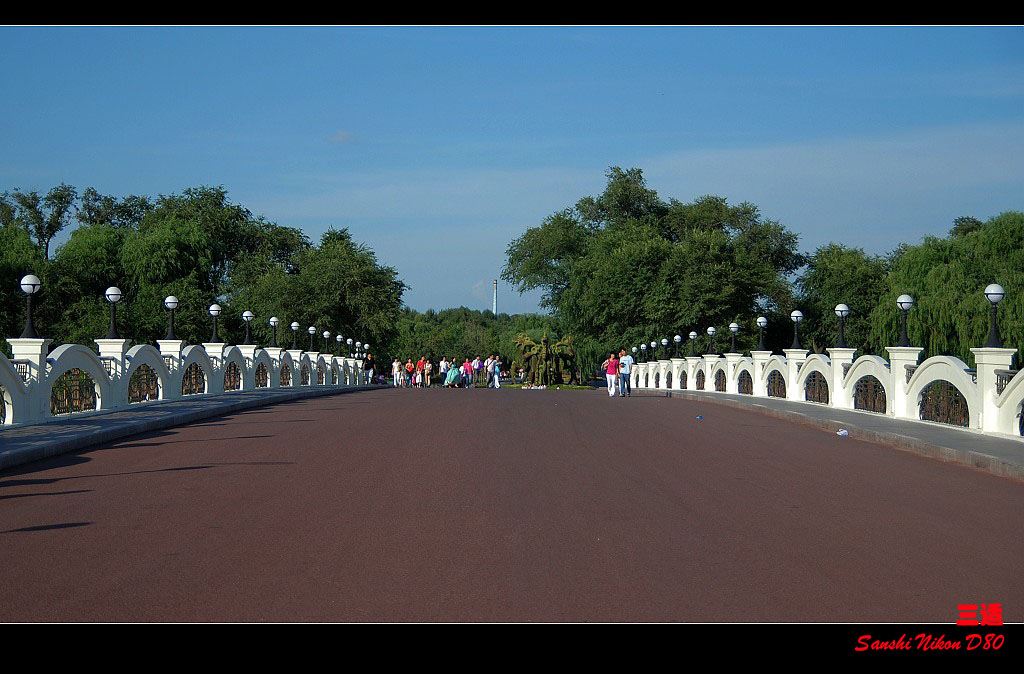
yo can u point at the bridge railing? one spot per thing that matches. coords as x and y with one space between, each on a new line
942 389
38 384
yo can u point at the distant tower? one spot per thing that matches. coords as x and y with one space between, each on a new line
494 303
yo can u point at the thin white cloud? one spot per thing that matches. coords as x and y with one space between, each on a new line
342 137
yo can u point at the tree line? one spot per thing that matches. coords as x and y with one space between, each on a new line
627 267
197 246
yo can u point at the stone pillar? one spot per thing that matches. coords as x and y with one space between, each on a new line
360 379
678 367
710 361
33 351
314 366
274 376
249 375
987 360
663 369
899 358
296 355
838 395
760 383
215 352
794 359
116 349
692 365
731 360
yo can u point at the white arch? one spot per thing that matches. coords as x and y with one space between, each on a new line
197 354
144 354
261 357
953 370
876 367
775 364
234 355
69 356
1009 405
744 365
321 366
286 359
304 360
15 393
719 366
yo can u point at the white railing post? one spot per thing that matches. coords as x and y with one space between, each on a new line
248 352
760 384
274 375
794 359
731 383
838 396
30 361
678 366
986 361
113 351
710 360
899 358
170 351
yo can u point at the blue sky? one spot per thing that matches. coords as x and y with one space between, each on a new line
438 146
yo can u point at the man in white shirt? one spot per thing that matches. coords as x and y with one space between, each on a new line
625 366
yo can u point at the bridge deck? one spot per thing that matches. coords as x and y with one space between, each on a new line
504 505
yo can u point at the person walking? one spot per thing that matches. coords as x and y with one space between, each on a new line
450 380
497 371
396 372
467 373
428 370
611 368
489 370
409 369
625 370
369 365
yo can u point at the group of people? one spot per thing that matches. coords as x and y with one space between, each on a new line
617 369
453 375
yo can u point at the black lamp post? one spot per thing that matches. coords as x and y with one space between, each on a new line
678 339
349 342
643 353
312 331
636 357
339 339
711 341
273 324
904 302
215 312
994 292
295 335
762 323
733 328
796 316
664 349
247 316
842 311
113 295
693 343
326 336
359 349
30 286
171 302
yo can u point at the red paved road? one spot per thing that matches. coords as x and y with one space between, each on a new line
439 506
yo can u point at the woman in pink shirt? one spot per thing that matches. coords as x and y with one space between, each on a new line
611 369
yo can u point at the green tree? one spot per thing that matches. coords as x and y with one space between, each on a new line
44 216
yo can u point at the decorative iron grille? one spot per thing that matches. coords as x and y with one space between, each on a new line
942 402
110 365
168 362
262 381
1004 377
3 406
657 379
194 380
319 376
682 379
232 377
22 367
286 375
746 383
305 375
869 395
776 385
1020 419
816 388
720 381
74 391
334 375
647 378
700 380
144 385
668 379
911 369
